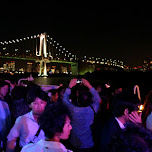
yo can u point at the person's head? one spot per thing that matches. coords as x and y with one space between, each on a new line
18 92
4 88
124 103
55 122
36 98
61 91
132 139
81 96
54 95
98 87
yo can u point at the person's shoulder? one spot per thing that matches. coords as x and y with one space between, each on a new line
23 117
5 104
32 147
149 121
27 148
111 123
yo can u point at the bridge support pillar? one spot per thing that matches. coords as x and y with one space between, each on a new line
74 68
40 70
45 69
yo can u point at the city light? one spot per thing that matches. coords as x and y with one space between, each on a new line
47 48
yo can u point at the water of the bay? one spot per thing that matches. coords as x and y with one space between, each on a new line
52 80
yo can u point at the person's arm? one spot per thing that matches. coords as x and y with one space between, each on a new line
95 95
10 147
68 91
13 135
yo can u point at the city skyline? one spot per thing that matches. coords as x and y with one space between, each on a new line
123 33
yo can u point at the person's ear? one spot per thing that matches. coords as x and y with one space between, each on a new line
126 112
58 134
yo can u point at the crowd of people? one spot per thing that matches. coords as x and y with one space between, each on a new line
80 117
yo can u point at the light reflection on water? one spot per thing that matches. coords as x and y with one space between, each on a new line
52 80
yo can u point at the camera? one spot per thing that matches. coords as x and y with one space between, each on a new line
79 81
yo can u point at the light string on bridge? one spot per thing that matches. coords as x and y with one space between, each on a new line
19 40
62 53
61 50
51 41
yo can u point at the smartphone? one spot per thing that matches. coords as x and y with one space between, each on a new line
79 81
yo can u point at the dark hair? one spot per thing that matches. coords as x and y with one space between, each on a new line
133 138
3 83
53 119
60 89
34 91
18 92
81 96
53 91
123 101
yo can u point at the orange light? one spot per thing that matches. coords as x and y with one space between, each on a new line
141 108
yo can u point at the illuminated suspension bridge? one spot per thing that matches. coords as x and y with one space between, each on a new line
39 50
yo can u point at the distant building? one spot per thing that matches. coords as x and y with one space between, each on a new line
147 65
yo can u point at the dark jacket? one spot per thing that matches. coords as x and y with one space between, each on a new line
107 131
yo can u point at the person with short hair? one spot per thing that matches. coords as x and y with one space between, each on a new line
83 105
53 94
124 110
55 122
5 117
26 126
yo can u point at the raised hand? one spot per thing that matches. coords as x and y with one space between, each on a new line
135 117
73 82
86 83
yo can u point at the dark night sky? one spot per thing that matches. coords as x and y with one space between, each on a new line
117 33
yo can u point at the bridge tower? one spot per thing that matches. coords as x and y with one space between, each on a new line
43 52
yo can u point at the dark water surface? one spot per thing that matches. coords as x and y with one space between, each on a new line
52 80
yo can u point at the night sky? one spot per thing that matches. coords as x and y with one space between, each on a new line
117 33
